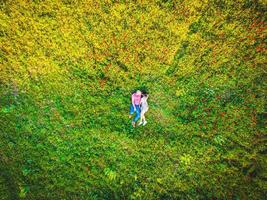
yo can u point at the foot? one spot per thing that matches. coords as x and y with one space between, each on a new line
133 123
145 122
140 123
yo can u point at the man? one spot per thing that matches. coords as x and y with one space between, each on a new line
135 106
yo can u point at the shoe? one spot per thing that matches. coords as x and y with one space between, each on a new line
145 122
140 123
133 123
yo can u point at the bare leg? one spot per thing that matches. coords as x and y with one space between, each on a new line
141 118
144 118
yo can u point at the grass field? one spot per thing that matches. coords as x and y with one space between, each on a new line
67 70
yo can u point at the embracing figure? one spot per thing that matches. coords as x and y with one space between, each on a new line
139 106
144 109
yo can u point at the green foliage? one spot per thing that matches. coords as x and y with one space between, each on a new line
67 69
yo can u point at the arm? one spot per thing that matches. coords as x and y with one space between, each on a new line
133 102
141 101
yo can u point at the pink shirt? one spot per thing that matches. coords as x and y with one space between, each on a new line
136 99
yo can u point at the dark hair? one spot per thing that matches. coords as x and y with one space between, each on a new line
144 92
144 95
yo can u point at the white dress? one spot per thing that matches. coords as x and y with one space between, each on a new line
144 105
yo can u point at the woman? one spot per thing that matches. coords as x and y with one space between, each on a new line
144 109
135 106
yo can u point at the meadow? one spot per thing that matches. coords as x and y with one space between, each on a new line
67 70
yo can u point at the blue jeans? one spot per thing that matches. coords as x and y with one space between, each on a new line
138 111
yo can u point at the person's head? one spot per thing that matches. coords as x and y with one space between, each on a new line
138 92
145 95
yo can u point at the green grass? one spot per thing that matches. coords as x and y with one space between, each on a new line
67 71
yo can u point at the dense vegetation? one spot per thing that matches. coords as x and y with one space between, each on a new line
66 74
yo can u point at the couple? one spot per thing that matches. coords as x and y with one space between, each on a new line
140 106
